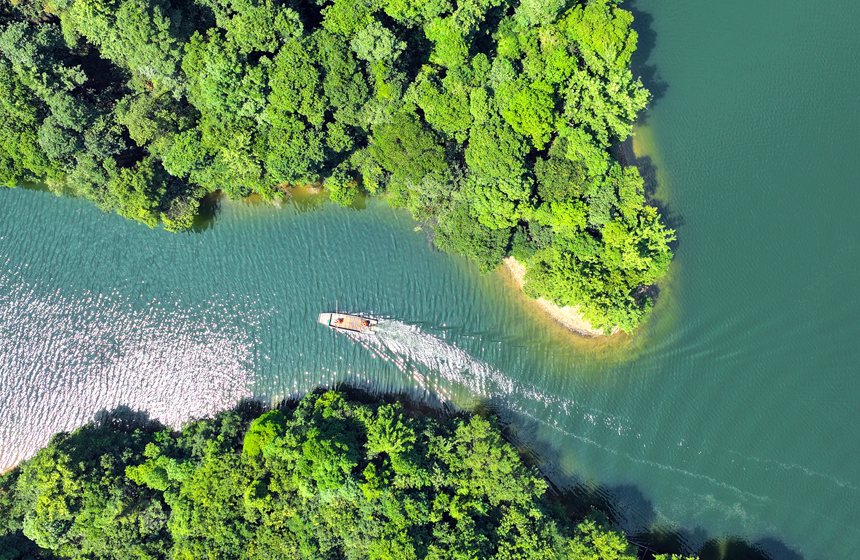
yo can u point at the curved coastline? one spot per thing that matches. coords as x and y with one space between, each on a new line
567 316
625 153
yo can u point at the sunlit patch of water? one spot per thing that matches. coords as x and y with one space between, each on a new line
65 358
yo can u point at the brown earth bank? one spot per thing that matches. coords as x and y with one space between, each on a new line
567 316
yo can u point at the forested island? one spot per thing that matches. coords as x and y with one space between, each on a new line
322 478
489 120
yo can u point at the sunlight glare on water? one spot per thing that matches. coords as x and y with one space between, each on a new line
65 358
730 413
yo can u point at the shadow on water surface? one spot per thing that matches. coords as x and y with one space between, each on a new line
207 212
627 505
639 65
653 82
301 199
648 170
125 419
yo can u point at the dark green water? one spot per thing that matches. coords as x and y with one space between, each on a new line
732 412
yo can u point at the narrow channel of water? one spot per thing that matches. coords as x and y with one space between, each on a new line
731 412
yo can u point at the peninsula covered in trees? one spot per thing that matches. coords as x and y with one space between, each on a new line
325 478
490 120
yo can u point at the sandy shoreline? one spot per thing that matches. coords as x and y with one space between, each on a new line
567 316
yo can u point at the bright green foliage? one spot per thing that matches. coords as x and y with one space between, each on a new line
348 17
538 12
603 34
446 106
341 187
390 433
481 117
186 154
142 36
159 472
21 154
530 111
495 151
263 27
223 84
136 193
328 478
375 43
262 431
450 48
595 539
294 152
498 187
296 86
605 110
414 11
632 250
497 204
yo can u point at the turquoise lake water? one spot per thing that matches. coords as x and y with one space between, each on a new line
731 413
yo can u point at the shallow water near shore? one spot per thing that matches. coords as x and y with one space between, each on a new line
731 412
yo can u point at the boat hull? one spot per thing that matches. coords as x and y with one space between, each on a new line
347 322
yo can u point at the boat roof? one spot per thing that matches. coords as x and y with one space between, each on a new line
348 322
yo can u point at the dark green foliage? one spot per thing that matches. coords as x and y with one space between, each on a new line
408 151
74 499
459 232
14 545
560 179
328 479
475 115
528 239
153 118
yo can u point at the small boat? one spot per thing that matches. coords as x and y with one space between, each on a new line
347 322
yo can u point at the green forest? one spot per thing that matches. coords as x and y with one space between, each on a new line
489 120
325 478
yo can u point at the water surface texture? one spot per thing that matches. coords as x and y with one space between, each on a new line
731 412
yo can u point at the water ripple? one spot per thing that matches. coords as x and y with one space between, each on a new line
65 358
445 369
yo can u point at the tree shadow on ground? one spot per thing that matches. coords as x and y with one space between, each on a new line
627 505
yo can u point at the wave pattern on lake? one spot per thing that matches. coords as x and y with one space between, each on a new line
728 412
444 369
65 358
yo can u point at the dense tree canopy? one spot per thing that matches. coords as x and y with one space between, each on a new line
327 478
483 117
